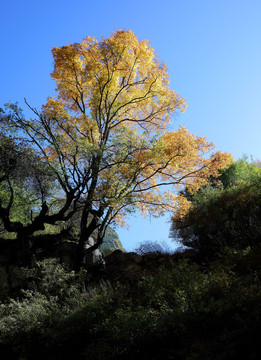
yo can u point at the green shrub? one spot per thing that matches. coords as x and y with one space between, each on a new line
226 215
183 310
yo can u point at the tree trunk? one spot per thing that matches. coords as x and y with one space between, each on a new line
85 232
24 255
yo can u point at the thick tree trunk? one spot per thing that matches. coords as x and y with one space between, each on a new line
24 255
86 231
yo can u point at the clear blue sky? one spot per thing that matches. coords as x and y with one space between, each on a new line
212 49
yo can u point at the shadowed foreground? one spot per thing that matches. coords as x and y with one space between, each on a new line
155 306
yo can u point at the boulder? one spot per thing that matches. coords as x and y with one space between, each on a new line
93 258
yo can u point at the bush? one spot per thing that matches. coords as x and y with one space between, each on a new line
149 247
183 311
226 215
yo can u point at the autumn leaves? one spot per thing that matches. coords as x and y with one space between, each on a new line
105 142
109 88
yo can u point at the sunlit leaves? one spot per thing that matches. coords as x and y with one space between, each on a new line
116 80
110 119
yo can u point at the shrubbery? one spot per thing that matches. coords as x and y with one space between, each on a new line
184 310
191 307
226 214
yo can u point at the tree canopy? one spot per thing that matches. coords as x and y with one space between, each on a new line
105 136
223 214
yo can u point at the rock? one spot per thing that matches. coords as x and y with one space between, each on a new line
94 257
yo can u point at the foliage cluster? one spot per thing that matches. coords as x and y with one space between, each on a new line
224 214
184 310
148 247
110 242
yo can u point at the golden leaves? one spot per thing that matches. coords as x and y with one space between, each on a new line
113 106
118 79
55 109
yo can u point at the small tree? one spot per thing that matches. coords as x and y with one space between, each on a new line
224 214
106 133
156 247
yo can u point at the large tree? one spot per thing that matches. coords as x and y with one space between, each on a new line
106 133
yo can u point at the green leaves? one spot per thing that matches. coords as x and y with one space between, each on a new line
226 214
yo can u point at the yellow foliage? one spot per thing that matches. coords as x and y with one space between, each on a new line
110 116
118 79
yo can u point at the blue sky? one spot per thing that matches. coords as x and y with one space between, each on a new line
212 50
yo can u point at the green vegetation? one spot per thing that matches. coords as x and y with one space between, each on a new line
184 310
111 242
204 303
93 155
226 214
